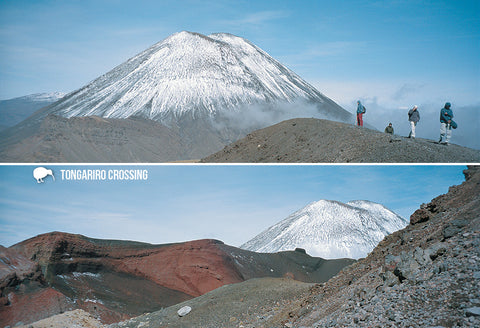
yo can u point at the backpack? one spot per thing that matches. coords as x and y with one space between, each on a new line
364 110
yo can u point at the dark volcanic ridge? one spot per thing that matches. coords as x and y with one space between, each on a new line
115 280
309 140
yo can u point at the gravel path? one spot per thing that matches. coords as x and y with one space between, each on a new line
256 300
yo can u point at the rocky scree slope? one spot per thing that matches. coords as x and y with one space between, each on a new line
115 280
255 300
309 140
70 319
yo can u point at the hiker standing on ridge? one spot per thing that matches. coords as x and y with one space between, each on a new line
413 117
446 115
360 111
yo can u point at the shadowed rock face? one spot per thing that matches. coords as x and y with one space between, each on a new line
115 280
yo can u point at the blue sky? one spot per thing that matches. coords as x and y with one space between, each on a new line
187 202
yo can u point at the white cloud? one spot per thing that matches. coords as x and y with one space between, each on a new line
335 48
257 18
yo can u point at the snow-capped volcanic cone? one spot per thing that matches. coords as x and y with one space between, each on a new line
189 73
330 229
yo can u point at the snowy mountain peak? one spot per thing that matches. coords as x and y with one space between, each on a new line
190 73
330 229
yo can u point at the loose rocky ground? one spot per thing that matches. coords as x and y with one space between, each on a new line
70 319
301 140
255 300
308 140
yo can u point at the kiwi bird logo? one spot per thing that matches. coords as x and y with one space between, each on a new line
40 173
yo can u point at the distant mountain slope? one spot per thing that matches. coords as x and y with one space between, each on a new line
330 229
13 111
308 140
114 280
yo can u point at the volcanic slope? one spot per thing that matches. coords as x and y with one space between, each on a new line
426 275
309 140
115 280
214 88
330 229
108 140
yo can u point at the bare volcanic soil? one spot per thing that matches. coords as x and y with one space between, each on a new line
100 140
309 140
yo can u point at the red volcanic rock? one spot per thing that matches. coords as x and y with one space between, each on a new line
194 268
33 306
15 267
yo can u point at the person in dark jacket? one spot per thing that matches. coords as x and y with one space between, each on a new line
360 111
389 128
413 118
446 116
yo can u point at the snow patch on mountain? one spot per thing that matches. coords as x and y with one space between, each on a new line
194 74
330 229
41 97
46 96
